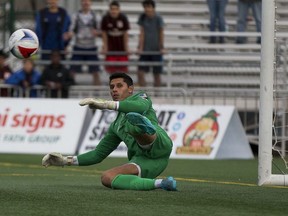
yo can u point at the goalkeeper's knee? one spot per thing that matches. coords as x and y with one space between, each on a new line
107 178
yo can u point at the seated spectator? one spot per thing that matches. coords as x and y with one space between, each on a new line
56 78
26 78
84 29
217 18
5 72
243 8
115 26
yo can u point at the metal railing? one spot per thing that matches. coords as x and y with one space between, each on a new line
178 66
172 61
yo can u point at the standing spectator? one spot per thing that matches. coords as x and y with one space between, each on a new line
5 72
56 78
51 24
217 18
84 28
151 39
26 78
115 26
243 7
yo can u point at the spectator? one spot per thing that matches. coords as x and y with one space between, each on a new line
151 39
84 28
56 78
217 18
51 24
5 72
115 26
243 7
26 78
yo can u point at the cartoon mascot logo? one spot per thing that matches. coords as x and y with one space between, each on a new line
200 135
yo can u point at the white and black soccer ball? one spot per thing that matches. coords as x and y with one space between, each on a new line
23 43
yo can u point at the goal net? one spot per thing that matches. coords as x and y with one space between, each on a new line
273 130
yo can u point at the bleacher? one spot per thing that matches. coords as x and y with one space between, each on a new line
191 61
196 72
220 74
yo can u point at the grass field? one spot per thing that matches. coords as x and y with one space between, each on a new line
222 187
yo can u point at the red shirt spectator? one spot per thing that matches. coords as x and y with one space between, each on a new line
115 28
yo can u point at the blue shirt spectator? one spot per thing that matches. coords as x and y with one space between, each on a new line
52 23
26 77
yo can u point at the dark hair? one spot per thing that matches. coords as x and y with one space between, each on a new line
127 79
29 60
55 51
3 54
149 3
114 3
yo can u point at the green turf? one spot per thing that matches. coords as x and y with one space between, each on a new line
225 187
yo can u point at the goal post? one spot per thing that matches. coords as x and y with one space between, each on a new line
268 65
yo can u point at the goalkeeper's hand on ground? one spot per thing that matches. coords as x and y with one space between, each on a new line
54 159
97 103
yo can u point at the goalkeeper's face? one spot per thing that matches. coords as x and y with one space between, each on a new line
119 89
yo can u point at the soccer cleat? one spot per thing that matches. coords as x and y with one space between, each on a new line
169 184
139 124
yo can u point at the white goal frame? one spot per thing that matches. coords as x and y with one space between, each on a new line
268 62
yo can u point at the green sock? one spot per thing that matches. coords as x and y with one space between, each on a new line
132 182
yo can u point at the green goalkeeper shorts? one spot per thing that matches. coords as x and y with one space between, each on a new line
150 168
154 161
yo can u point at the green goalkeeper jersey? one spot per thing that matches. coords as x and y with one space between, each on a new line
141 104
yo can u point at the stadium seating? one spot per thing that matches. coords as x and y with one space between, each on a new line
192 62
196 72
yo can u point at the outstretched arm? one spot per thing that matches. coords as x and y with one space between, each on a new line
138 103
108 144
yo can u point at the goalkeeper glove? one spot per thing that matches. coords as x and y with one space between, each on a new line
54 159
97 103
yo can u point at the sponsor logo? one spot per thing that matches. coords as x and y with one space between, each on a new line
200 135
30 121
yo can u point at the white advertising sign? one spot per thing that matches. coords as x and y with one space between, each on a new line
40 125
198 132
97 129
204 132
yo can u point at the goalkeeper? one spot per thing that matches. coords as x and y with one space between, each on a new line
149 146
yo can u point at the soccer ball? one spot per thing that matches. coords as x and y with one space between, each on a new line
23 43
